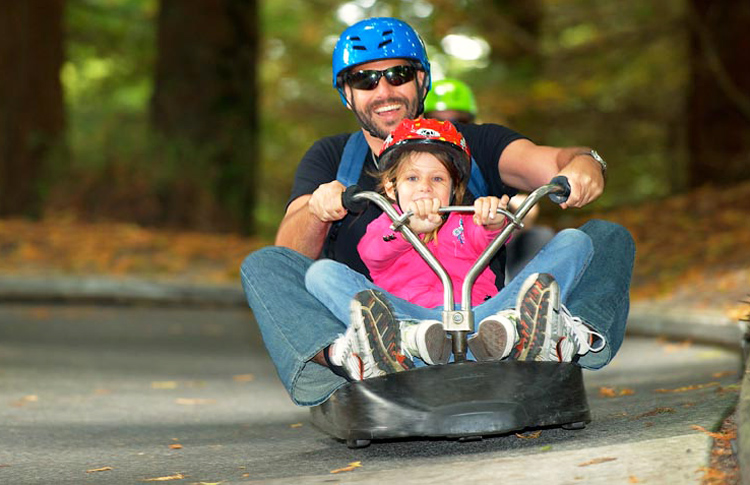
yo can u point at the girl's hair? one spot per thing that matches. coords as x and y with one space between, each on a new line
444 154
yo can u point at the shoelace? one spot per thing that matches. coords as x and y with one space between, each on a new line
581 333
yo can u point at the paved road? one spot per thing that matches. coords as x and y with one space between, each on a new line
149 392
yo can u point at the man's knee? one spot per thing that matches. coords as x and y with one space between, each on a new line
610 234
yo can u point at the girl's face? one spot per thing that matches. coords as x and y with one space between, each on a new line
421 176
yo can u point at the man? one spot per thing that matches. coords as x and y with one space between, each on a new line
382 73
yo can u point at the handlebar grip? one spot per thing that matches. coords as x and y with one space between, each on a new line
355 206
560 197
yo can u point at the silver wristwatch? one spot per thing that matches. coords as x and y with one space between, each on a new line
593 154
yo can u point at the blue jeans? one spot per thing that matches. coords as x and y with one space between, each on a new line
565 257
295 325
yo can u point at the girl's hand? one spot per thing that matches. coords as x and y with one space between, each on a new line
426 217
485 212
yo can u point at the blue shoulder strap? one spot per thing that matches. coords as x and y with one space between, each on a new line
353 159
477 185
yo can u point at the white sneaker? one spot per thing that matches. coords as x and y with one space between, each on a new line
576 337
426 340
495 336
344 354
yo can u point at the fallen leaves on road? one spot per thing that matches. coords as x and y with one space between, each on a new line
654 412
351 467
102 469
694 387
712 475
531 435
175 446
164 385
596 461
243 378
613 392
176 476
633 479
296 425
25 400
717 436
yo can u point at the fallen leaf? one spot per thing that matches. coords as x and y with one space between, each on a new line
719 375
711 474
654 412
532 435
243 378
689 388
175 446
612 392
545 448
352 466
25 400
194 402
296 425
633 479
245 475
607 392
102 469
176 476
596 461
164 385
717 436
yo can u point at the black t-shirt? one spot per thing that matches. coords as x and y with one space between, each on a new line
320 165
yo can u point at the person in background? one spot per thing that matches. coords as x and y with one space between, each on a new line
453 100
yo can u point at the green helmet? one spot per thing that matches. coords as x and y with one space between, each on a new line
450 94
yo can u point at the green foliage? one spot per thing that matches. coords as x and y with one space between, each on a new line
604 73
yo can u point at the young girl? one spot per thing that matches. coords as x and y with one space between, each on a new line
424 165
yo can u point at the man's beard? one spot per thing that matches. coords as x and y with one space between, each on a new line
367 116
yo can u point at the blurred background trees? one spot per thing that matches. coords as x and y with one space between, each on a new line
194 113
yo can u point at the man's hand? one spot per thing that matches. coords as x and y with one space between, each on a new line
325 202
586 180
485 212
426 217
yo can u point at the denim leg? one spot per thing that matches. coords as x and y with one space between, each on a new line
602 296
566 257
335 285
294 324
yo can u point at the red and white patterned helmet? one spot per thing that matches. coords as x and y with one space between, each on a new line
426 132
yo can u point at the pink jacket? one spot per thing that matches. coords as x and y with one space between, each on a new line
396 266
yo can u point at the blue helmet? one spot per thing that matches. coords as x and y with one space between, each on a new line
375 39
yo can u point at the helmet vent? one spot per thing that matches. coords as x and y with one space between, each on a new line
384 43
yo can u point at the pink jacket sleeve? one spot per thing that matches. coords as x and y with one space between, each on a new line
378 248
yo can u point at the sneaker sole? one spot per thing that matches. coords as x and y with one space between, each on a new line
382 332
490 342
534 310
437 349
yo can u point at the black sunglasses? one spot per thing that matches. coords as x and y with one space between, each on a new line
369 79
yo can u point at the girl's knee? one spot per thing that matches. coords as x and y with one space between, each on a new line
577 239
319 273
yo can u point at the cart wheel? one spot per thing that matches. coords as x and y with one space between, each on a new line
574 426
354 443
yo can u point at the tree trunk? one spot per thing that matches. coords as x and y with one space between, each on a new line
31 99
719 98
205 102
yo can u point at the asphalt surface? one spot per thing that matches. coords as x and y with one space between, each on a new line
96 387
